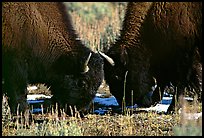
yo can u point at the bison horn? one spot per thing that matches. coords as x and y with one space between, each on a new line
86 68
110 60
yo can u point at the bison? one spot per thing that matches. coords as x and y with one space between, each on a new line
40 45
159 43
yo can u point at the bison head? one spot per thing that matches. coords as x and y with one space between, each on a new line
77 87
130 73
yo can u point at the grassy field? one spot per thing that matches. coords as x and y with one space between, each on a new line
98 25
111 124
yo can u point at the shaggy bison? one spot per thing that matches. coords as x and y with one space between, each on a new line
160 42
41 46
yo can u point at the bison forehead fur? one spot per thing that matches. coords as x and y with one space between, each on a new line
41 46
161 40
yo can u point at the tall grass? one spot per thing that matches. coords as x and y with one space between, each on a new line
190 118
138 124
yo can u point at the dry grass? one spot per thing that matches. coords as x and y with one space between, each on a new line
137 124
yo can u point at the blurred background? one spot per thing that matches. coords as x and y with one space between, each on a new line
97 23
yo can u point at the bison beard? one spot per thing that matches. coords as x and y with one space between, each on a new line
161 40
41 46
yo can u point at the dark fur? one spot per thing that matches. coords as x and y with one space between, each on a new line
161 40
41 46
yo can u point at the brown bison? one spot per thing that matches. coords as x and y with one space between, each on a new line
158 40
41 46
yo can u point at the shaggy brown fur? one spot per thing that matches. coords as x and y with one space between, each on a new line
161 40
41 46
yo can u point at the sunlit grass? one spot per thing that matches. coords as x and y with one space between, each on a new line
128 124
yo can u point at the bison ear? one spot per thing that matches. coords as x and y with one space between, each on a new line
124 55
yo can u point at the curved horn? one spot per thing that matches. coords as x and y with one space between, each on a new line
110 60
86 68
